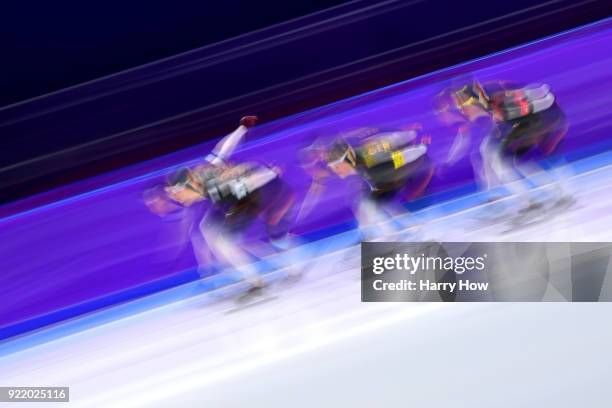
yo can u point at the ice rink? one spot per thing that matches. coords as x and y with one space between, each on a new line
315 334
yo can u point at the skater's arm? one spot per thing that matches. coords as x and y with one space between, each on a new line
259 179
226 147
543 103
245 185
401 138
410 154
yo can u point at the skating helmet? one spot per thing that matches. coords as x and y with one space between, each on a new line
179 178
340 151
471 94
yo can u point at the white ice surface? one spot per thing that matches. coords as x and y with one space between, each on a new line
315 344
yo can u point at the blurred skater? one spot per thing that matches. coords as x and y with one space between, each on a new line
239 194
391 166
526 126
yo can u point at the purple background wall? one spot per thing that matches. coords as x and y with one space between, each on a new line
103 242
113 122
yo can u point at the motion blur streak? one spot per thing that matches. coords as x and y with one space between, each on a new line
104 247
200 350
262 352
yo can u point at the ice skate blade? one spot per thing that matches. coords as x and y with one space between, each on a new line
250 299
542 214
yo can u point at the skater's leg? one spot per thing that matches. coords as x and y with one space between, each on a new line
553 161
203 254
506 173
483 168
223 246
545 131
561 171
374 222
550 181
